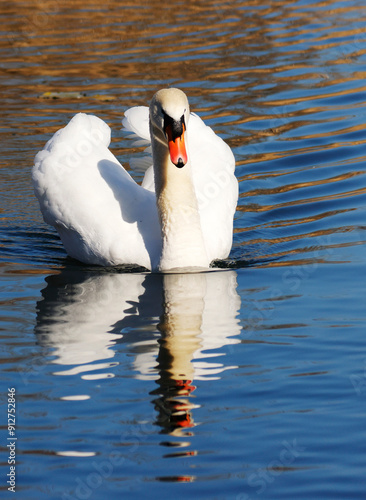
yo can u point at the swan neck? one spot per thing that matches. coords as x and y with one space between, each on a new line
182 239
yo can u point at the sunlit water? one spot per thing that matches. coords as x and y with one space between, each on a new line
242 383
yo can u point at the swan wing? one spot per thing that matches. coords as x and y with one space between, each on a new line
102 215
213 167
213 170
136 123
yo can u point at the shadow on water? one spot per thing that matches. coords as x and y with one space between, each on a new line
170 325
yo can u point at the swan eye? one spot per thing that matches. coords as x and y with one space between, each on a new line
176 127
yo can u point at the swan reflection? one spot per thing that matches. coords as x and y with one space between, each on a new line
172 327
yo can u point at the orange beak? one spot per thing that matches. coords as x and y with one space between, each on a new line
177 147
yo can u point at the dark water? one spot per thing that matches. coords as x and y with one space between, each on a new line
252 383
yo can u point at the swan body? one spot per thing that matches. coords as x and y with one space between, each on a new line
180 217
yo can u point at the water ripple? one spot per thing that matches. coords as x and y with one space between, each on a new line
287 93
283 82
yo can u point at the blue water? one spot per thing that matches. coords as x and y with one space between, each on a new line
252 383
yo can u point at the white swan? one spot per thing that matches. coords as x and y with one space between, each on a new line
180 217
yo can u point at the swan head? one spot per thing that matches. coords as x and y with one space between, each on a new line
169 113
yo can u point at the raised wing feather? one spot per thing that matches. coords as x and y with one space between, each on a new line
102 215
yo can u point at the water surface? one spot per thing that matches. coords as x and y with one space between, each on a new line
242 383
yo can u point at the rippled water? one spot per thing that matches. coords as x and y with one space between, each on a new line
252 382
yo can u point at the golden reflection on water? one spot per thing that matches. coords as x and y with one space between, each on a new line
276 79
281 81
159 42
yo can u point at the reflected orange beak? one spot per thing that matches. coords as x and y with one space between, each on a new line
177 147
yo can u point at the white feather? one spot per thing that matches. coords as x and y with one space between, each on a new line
103 216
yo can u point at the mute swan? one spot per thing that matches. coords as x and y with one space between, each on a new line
180 217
